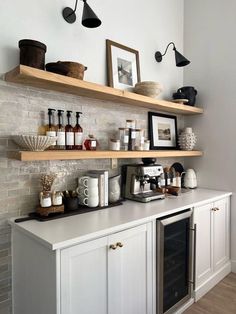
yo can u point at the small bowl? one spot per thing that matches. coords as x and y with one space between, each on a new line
36 143
148 88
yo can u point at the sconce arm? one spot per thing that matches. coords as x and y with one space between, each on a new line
171 43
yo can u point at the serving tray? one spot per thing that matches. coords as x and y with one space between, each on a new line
67 213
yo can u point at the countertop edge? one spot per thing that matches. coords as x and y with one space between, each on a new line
113 229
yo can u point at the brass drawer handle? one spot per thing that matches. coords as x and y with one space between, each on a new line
119 244
217 208
113 246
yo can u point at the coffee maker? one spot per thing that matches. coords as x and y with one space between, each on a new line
140 181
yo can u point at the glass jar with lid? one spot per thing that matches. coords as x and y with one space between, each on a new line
130 124
124 138
45 198
114 144
139 139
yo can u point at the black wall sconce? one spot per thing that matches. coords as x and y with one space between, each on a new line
89 18
180 60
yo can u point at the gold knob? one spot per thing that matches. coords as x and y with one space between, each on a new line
119 244
113 246
217 208
214 209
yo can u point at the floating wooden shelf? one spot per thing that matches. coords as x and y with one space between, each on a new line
38 78
73 155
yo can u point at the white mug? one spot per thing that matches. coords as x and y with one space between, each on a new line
82 191
83 181
90 201
88 182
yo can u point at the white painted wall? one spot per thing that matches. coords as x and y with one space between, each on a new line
209 37
147 26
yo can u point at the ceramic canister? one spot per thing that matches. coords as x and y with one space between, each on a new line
187 139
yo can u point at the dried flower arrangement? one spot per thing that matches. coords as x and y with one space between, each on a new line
47 181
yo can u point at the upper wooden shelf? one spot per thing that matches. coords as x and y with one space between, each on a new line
86 154
38 78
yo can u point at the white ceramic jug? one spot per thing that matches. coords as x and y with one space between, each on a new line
190 179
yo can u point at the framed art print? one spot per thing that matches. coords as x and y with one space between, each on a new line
122 66
162 131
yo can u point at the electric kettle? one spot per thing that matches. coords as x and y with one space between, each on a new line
190 179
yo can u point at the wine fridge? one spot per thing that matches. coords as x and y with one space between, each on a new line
176 238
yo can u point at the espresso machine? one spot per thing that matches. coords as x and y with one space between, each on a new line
140 181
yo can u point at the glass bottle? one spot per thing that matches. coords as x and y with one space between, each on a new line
50 128
90 143
69 132
61 137
78 133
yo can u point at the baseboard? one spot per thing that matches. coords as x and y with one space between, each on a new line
233 266
185 306
212 281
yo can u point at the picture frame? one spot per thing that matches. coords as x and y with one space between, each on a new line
162 131
123 68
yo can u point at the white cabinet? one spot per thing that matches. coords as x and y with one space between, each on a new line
221 233
111 275
204 238
212 244
84 287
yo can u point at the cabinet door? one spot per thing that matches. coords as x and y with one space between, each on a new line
221 236
130 271
84 278
204 244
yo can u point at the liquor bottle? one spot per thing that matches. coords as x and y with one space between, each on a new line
50 128
69 132
61 137
78 133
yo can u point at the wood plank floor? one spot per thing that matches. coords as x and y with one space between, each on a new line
220 300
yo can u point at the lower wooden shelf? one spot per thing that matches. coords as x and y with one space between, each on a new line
73 155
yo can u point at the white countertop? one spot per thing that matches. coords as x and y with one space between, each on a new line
64 232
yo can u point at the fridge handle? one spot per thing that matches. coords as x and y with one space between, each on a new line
193 275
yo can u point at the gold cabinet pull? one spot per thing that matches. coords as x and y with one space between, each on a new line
113 246
119 244
214 209
217 208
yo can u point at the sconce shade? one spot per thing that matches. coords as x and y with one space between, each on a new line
89 18
180 60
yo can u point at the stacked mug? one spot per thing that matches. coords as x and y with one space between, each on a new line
88 191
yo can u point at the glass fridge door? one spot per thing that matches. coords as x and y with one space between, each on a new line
174 261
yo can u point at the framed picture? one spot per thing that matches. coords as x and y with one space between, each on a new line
122 65
162 131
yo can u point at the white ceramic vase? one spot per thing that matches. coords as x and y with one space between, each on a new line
114 189
187 139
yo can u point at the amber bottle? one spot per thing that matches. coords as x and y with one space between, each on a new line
69 132
78 133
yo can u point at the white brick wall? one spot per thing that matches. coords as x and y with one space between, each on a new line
24 110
